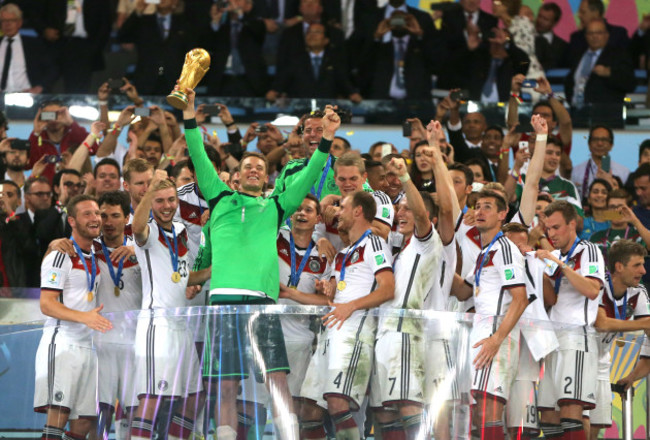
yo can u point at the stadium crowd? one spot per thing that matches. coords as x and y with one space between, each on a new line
470 217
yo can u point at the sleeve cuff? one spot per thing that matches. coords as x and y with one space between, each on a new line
190 123
324 145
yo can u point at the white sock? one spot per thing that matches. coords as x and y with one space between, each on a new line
225 432
287 427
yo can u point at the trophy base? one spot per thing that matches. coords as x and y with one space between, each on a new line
178 100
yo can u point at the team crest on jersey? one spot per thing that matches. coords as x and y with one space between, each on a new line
133 259
163 385
355 256
314 265
629 311
571 264
58 396
54 278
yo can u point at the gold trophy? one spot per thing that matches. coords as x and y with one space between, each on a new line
197 64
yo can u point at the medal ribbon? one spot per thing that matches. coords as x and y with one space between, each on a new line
350 252
294 278
617 311
173 252
90 276
323 177
477 277
114 276
568 256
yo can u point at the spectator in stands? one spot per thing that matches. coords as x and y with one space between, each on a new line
77 37
152 150
463 136
107 176
292 41
521 30
641 181
588 11
644 152
601 142
479 168
25 63
376 150
11 197
421 169
595 205
238 68
181 174
400 62
38 198
54 132
316 72
602 73
640 44
162 39
16 160
126 7
458 27
549 48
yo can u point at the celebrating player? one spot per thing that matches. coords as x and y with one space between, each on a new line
362 278
66 364
498 284
243 232
576 274
167 364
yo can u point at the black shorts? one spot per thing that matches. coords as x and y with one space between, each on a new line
238 343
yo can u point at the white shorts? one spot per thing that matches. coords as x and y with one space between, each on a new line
299 354
496 378
116 369
521 410
66 376
569 377
601 416
398 372
167 363
441 376
341 367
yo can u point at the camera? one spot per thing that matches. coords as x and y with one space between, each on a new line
20 144
212 110
529 84
261 129
523 145
397 22
48 116
52 158
142 111
459 95
115 84
406 129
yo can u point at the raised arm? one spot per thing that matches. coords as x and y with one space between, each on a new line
125 118
413 197
206 176
82 153
531 187
448 207
139 224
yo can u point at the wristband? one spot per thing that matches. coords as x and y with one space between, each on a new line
102 103
116 128
87 146
517 97
550 95
230 125
243 143
405 178
541 137
94 136
515 175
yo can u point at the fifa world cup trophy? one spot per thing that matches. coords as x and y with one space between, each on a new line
197 63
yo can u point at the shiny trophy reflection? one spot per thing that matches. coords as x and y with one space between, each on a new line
197 64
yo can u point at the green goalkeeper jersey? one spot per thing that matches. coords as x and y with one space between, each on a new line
243 228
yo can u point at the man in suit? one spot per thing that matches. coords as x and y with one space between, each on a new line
401 61
292 40
594 10
602 73
549 48
76 33
38 198
162 41
492 66
316 73
25 64
457 25
235 41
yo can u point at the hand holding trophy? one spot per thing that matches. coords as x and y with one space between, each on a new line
197 63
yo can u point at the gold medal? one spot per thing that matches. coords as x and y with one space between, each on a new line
477 290
91 295
620 342
176 277
116 291
341 285
292 287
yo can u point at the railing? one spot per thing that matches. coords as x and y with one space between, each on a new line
441 349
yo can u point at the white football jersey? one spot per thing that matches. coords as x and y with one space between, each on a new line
190 209
370 257
638 306
415 268
385 214
158 289
469 241
296 327
65 274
